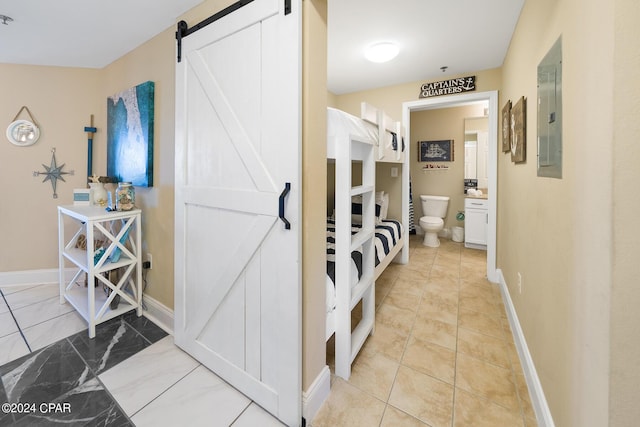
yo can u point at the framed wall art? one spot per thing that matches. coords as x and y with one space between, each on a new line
506 127
130 135
435 151
519 131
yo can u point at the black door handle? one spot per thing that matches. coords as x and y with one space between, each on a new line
287 188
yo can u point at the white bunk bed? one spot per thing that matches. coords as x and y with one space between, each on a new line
374 137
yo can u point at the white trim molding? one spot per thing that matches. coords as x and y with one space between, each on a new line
158 313
491 97
314 397
538 400
33 277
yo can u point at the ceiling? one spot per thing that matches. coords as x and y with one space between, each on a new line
82 33
464 35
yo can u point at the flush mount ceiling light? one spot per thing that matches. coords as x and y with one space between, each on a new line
381 52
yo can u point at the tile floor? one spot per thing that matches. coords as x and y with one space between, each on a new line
442 353
131 374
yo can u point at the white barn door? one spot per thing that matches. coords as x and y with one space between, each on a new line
237 264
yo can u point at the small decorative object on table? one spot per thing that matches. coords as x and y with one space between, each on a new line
125 196
98 192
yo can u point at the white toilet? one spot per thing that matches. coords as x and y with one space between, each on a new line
434 209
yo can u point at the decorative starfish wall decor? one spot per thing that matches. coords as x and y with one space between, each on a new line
53 172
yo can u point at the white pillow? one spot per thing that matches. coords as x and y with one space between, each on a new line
356 218
385 206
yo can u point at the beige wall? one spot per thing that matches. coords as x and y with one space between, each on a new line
546 232
152 61
314 172
570 238
61 101
444 123
390 98
625 295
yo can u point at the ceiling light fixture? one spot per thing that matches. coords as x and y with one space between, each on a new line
6 19
381 52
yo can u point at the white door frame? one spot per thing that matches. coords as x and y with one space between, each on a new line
454 101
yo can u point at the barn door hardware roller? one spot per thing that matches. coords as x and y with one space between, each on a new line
183 29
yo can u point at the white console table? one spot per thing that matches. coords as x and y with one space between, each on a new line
121 232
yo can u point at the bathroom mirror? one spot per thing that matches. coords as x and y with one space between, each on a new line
476 149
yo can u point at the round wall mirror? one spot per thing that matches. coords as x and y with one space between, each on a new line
23 133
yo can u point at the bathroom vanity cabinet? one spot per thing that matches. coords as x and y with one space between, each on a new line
105 248
476 219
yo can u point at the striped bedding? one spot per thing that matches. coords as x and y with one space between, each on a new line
387 234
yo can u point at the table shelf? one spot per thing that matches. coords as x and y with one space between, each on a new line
121 231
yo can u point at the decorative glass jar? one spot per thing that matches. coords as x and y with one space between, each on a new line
125 196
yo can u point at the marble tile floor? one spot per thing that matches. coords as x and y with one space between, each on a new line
442 353
130 374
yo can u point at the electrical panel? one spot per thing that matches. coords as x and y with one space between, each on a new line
550 113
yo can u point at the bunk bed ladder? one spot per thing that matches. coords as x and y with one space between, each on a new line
348 340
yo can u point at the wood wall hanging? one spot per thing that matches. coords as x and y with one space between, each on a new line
519 131
506 127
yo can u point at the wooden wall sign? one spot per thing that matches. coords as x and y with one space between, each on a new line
448 87
519 131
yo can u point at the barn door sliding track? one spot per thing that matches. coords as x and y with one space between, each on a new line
184 30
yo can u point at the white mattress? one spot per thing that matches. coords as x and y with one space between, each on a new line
342 125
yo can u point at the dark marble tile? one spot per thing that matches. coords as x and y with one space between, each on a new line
114 342
86 405
144 326
44 375
6 419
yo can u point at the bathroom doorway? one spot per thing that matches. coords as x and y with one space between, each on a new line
454 101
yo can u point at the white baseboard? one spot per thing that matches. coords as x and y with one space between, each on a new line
314 397
33 277
158 313
538 400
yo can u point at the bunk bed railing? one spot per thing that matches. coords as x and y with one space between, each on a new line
386 125
345 147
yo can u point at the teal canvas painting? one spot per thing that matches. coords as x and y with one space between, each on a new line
130 135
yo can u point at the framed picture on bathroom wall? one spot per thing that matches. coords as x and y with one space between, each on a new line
436 151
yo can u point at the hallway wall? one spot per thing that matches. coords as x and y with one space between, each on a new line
565 236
